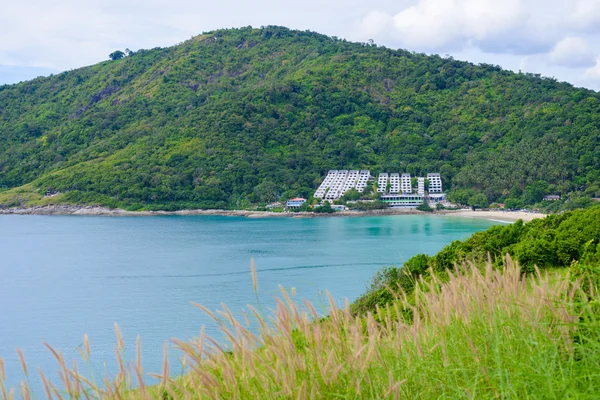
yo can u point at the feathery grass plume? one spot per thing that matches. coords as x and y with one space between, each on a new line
2 380
254 276
479 332
22 360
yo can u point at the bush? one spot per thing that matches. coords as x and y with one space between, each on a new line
554 241
325 208
371 205
424 207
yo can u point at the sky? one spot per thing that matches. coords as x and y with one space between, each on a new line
555 38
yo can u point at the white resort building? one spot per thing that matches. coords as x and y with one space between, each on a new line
382 182
320 193
363 180
421 186
350 182
406 183
335 191
403 200
338 182
395 188
435 183
395 183
398 191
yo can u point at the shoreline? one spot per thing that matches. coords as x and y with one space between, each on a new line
493 215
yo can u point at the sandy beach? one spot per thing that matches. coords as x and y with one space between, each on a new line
496 215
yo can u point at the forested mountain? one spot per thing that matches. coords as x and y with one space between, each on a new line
241 116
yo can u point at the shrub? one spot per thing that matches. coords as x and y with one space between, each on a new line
424 207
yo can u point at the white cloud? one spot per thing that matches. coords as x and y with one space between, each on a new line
572 52
376 23
64 34
436 23
558 38
498 26
594 72
586 14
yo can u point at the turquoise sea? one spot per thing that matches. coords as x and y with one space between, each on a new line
64 276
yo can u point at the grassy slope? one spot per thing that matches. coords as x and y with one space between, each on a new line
205 123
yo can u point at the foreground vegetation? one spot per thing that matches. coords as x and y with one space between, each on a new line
242 116
490 329
568 240
480 334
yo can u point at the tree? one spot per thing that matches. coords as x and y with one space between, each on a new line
116 55
513 204
324 208
478 200
461 196
266 191
351 195
424 207
534 193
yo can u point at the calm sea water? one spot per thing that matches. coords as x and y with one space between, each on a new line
64 276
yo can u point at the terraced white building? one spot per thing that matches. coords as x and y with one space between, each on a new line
335 191
395 183
421 186
338 182
382 182
363 180
396 188
320 193
406 185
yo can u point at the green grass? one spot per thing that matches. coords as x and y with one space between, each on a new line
27 196
480 334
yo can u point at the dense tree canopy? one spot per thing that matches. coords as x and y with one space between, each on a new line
238 116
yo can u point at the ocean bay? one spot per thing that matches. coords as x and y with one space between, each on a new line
64 276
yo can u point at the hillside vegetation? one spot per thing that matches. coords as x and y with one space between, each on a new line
241 116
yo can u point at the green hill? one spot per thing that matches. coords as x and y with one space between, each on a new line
240 116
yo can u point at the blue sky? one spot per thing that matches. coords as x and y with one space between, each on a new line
556 38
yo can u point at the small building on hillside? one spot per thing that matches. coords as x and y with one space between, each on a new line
296 202
274 205
552 197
